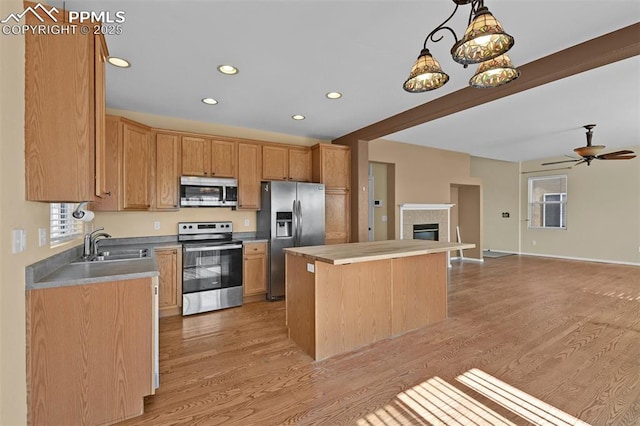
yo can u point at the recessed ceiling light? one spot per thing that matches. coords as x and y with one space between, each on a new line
118 62
209 101
228 69
334 95
298 117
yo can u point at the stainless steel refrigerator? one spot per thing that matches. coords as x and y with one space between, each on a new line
291 215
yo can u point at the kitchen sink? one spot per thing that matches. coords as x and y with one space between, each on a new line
116 255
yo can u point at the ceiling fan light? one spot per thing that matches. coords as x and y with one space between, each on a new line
494 72
426 74
484 39
589 151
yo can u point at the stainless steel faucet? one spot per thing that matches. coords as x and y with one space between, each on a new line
90 242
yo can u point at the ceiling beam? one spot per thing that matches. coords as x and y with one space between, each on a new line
609 48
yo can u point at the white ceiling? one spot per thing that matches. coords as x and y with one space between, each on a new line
291 52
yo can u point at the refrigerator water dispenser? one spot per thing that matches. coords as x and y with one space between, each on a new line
284 222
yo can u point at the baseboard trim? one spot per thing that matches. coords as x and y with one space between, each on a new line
468 259
583 259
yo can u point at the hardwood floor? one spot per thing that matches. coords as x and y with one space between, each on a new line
560 332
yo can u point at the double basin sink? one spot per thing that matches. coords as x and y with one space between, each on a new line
114 255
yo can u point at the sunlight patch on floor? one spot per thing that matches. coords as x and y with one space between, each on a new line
436 402
517 401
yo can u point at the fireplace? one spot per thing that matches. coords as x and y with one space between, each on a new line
426 231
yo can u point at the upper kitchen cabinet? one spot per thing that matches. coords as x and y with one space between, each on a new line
286 163
166 171
300 164
128 169
203 156
64 114
331 165
249 167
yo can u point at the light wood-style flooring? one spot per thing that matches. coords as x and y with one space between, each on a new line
536 336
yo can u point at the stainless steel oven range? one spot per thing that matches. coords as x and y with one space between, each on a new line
211 266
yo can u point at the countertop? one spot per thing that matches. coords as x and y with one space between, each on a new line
97 272
60 271
341 254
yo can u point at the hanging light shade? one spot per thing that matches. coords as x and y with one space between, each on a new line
484 39
425 74
494 72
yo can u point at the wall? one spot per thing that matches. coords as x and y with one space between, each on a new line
379 172
15 212
422 175
501 193
603 207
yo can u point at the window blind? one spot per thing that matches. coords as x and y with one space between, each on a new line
63 227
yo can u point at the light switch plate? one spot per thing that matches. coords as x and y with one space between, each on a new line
311 268
18 241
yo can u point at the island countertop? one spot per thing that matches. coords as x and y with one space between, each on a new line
341 254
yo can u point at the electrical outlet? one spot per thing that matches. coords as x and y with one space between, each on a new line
247 222
42 237
533 242
156 225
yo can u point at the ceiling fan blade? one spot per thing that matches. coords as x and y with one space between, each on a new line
581 161
618 157
609 154
558 162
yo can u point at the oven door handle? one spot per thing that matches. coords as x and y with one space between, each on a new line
213 248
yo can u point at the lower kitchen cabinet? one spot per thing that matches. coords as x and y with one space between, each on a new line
90 352
169 261
255 269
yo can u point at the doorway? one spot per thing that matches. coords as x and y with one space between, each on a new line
382 208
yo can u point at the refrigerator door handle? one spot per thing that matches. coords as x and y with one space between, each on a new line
299 222
295 224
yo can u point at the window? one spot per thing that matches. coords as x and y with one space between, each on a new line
63 226
548 202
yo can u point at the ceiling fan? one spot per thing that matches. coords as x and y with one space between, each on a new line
590 152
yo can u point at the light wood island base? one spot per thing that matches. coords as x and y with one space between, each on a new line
335 306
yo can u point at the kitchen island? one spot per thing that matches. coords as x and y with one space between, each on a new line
345 296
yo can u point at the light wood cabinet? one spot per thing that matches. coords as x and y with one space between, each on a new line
255 269
249 173
64 113
286 163
169 261
275 162
223 158
208 157
128 167
336 216
300 164
166 173
196 154
90 352
331 165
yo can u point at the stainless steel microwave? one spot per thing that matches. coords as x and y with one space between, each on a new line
208 192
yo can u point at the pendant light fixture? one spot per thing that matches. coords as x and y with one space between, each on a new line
483 41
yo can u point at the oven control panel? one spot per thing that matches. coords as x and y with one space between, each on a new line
198 228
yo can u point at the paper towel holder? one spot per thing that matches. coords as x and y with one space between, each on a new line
78 213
